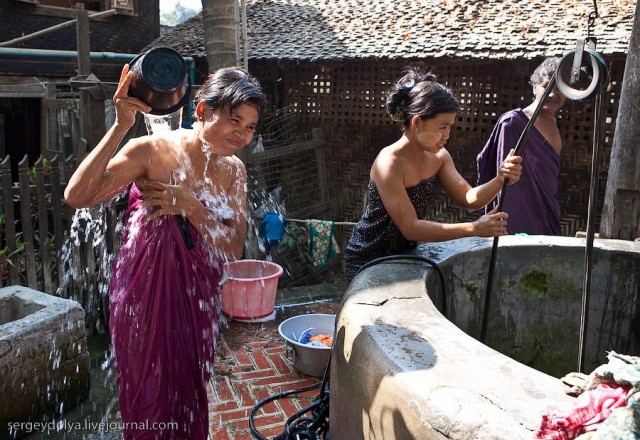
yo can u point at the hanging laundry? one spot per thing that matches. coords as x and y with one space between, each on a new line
322 242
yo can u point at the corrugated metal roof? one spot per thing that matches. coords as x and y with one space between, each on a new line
346 29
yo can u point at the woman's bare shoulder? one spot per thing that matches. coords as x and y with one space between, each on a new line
236 162
388 164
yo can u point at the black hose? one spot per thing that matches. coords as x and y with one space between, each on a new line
263 402
302 428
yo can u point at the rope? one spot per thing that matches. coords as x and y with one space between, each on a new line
295 220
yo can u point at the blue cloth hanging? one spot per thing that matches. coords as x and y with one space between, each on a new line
271 229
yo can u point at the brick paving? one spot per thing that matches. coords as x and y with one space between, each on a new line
251 365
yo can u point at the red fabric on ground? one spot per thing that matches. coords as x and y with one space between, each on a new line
591 408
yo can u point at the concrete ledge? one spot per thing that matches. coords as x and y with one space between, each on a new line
401 370
44 359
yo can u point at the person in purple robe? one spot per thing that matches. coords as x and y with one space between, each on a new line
406 176
532 204
185 218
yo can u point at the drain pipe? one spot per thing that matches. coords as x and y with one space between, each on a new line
10 53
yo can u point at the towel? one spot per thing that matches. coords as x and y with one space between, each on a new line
322 242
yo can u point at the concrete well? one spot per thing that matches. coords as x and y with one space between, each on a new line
402 370
44 359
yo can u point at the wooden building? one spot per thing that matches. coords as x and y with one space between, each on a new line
330 62
40 80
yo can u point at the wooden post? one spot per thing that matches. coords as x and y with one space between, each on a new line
621 211
83 44
91 109
9 217
43 226
26 221
83 41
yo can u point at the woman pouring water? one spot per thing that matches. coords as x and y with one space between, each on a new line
164 294
406 177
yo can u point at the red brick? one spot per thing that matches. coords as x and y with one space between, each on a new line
255 374
244 435
269 408
288 406
281 366
276 349
288 382
234 415
267 420
245 396
223 390
220 433
260 360
242 357
223 350
226 406
310 394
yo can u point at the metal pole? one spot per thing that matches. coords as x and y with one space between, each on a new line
56 27
245 38
588 261
494 250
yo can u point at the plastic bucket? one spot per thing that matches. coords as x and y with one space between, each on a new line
249 291
306 358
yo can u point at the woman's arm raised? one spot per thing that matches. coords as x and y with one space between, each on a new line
100 175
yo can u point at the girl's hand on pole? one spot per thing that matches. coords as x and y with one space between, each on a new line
511 168
491 224
127 106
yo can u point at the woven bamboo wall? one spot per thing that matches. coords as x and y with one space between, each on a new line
346 99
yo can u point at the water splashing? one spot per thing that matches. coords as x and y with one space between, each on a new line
164 123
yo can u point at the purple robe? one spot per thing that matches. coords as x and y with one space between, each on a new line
164 309
531 202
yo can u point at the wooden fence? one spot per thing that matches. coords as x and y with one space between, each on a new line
46 245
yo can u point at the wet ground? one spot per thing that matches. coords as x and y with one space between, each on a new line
251 364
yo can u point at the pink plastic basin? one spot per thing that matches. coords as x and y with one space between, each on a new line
250 289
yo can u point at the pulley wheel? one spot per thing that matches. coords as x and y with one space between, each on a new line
592 76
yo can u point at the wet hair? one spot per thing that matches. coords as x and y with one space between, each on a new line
544 71
417 93
231 86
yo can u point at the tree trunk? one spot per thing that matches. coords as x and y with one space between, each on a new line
621 211
219 19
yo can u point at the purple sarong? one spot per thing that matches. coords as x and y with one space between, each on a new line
164 302
531 202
